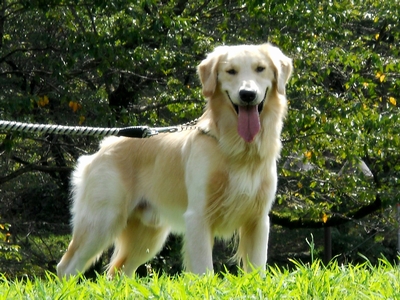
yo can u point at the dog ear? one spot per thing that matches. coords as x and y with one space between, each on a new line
283 65
208 71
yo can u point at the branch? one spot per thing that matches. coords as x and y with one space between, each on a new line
8 8
32 168
179 7
15 174
77 19
142 108
335 220
23 50
91 19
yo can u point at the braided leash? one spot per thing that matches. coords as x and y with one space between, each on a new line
132 131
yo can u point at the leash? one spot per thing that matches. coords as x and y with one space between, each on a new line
132 131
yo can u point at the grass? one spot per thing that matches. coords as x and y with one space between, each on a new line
313 281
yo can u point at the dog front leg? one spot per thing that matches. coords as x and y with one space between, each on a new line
199 237
253 244
198 244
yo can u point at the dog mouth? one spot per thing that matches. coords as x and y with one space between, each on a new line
259 106
248 118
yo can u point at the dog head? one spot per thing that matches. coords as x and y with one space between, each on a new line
245 75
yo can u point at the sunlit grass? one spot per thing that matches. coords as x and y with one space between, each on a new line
313 281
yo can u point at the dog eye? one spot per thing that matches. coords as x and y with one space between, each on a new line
231 71
260 69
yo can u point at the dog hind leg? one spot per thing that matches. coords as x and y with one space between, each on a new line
90 238
137 244
99 215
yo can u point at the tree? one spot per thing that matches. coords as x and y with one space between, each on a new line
346 113
120 63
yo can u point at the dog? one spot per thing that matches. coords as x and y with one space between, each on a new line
213 180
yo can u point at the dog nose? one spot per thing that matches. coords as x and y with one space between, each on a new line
247 95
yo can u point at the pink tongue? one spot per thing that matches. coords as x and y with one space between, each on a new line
249 122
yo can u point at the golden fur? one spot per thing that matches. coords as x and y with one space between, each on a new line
205 182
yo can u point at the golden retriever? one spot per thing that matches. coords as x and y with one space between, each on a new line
203 182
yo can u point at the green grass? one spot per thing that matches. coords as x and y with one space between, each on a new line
304 282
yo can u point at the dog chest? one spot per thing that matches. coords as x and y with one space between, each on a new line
237 198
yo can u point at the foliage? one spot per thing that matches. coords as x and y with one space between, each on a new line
344 114
8 250
305 282
120 63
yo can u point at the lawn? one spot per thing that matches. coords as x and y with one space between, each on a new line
313 281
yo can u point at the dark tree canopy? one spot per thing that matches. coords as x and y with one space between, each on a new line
121 63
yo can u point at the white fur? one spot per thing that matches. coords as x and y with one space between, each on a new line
203 182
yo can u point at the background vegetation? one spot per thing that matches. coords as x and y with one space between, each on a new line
119 63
